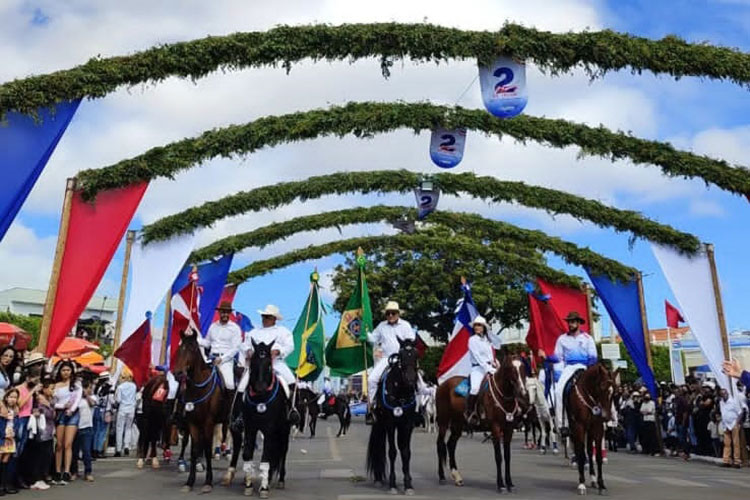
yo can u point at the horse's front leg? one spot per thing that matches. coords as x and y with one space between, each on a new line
404 447
590 456
507 436
208 455
248 450
392 454
236 447
599 460
497 435
341 414
579 448
193 462
456 431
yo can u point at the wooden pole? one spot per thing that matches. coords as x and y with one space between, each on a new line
360 253
719 305
62 237
165 332
129 239
589 308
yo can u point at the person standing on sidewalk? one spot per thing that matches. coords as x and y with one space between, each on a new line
731 412
85 435
126 400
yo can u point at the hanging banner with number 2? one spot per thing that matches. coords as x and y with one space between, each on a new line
447 147
503 85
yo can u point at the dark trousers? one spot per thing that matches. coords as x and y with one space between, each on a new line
631 433
40 459
100 431
648 438
82 446
21 430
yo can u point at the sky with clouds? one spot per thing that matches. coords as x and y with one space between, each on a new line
694 114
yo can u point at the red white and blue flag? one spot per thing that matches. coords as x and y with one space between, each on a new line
456 361
227 295
185 315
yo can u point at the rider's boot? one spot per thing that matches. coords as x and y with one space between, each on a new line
470 413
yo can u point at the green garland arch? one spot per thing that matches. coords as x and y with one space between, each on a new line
463 223
597 52
369 118
458 245
487 188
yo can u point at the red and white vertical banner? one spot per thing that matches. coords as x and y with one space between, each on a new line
94 231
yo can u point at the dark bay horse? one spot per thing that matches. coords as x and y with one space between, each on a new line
502 402
588 406
395 414
264 409
340 408
153 420
306 403
205 401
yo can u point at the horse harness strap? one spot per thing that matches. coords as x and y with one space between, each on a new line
262 406
396 410
213 378
492 389
596 410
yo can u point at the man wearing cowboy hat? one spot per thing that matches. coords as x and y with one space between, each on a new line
482 362
283 345
577 350
387 335
224 338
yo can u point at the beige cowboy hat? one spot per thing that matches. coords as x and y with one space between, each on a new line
34 358
574 316
271 310
479 320
225 306
392 305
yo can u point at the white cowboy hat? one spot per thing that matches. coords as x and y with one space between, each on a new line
479 320
34 358
271 310
392 305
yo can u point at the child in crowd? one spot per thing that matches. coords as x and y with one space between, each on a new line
717 433
41 443
85 436
9 415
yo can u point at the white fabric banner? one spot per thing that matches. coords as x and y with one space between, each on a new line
692 285
154 268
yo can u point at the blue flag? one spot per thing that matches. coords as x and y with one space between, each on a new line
624 307
25 147
212 276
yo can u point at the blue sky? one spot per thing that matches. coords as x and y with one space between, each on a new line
700 115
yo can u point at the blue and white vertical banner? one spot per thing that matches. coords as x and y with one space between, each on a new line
447 147
503 85
675 362
427 201
26 145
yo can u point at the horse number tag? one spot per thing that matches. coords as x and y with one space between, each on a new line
261 408
398 411
189 407
509 417
596 410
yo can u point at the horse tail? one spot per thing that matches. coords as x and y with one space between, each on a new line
376 452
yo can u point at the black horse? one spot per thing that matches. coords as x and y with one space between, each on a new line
306 403
264 409
394 413
339 406
206 403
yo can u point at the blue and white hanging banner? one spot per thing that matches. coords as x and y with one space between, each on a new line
503 85
447 147
427 200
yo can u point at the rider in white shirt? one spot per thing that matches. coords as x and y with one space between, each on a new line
577 350
482 362
283 346
224 338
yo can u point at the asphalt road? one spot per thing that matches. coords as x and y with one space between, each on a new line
331 468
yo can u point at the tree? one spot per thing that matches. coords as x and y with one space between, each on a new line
427 285
30 324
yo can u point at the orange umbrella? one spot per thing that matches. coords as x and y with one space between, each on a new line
16 335
73 347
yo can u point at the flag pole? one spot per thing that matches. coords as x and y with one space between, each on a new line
129 239
165 332
62 237
299 356
719 306
589 308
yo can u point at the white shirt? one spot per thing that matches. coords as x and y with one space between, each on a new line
125 396
224 340
327 386
86 413
575 349
281 337
387 336
648 410
731 409
481 352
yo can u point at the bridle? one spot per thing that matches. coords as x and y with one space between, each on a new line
588 401
495 391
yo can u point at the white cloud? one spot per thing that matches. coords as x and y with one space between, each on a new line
705 208
26 259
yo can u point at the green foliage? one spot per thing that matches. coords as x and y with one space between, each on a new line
660 357
425 281
30 324
466 224
430 361
367 119
461 248
486 188
596 52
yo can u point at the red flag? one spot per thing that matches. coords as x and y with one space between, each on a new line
563 300
227 295
421 347
94 232
544 326
185 315
674 318
136 353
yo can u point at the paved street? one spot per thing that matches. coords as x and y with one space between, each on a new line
330 468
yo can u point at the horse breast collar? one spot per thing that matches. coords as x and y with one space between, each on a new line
509 415
213 379
596 410
262 406
397 410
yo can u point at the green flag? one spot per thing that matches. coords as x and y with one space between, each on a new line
307 358
347 351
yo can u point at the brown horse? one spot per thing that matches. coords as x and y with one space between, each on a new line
205 401
588 406
501 403
153 421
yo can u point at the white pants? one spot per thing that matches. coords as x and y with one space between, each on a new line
377 373
124 429
227 373
280 368
567 372
476 376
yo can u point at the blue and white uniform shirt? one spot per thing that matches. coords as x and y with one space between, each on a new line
578 349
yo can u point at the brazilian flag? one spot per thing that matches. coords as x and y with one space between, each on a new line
307 359
347 351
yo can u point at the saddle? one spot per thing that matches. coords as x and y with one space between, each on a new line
569 386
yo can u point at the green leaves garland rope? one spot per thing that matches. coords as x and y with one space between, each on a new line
596 52
402 181
460 247
368 118
467 225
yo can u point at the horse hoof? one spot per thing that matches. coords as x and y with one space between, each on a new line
581 489
263 493
249 491
280 485
200 468
155 463
393 491
207 489
510 489
555 451
460 482
139 464
500 490
186 489
182 468
593 483
409 492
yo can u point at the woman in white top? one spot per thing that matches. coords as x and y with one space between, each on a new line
7 368
482 362
66 398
